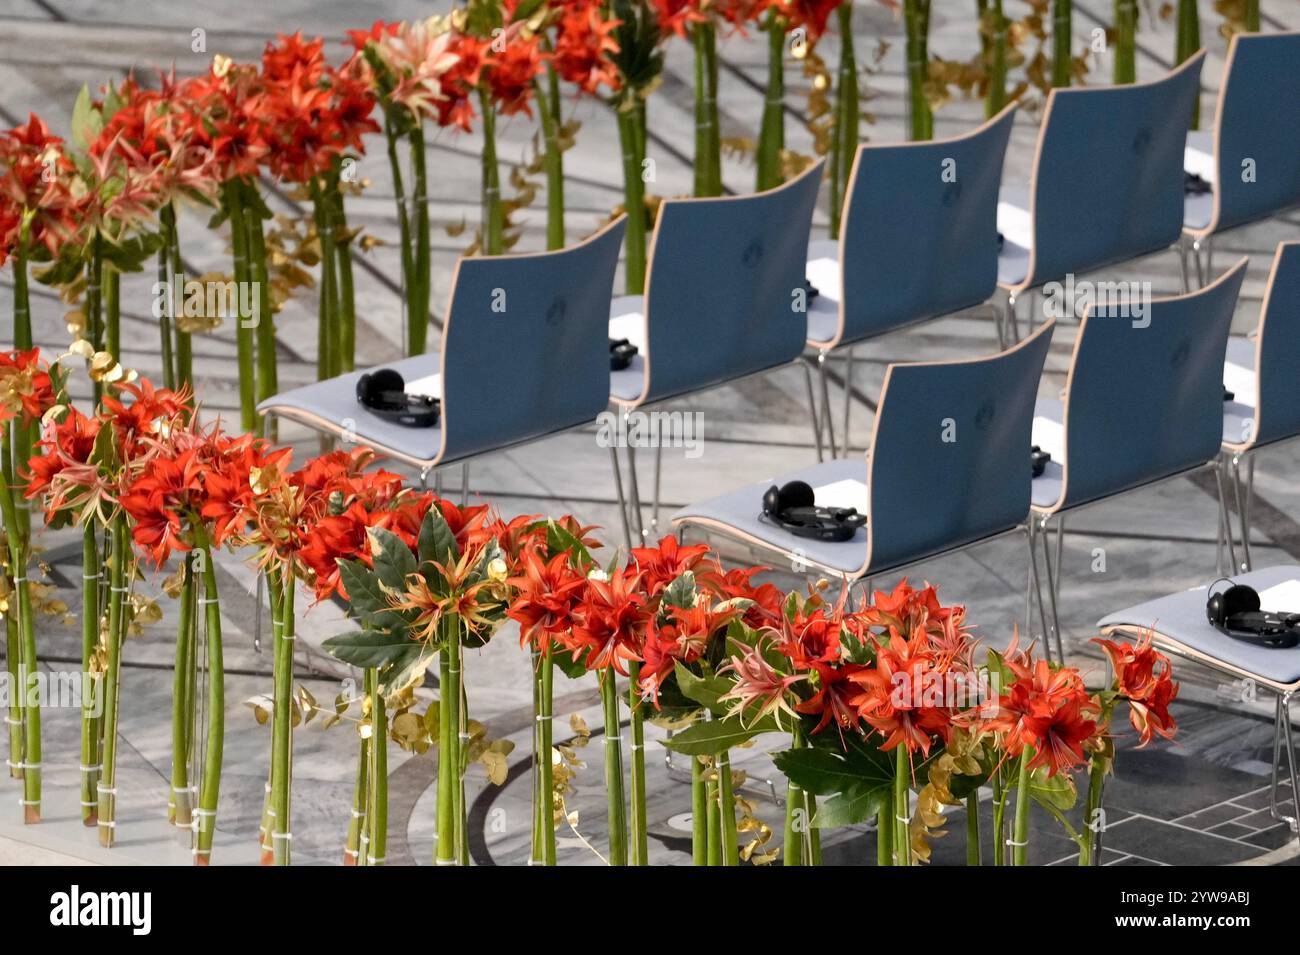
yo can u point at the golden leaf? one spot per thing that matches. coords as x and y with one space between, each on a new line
262 706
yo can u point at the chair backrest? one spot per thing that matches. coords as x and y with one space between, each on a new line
1257 129
725 294
1277 403
1108 175
1144 395
919 238
525 348
950 458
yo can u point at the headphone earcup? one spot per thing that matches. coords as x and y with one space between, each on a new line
772 501
1240 598
795 494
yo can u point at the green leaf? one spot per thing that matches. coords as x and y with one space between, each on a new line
406 668
704 690
364 595
369 648
559 540
394 561
824 772
711 737
1059 791
681 592
850 808
86 121
436 541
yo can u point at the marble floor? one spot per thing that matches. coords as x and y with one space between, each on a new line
1202 799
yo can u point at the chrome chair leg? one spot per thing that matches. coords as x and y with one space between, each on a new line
622 501
1200 267
1226 518
1242 517
464 484
812 407
1052 574
826 403
1209 256
257 610
1182 264
1282 736
849 357
659 469
999 327
634 489
1012 324
1038 584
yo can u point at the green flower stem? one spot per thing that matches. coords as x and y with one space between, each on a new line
462 755
113 311
707 143
327 329
885 831
14 714
94 302
1189 41
184 347
493 225
418 305
446 847
1020 830
1062 36
347 358
26 656
1090 832
814 834
548 109
902 791
244 338
713 818
916 15
796 813
771 135
210 790
999 819
404 232
1126 15
1251 16
973 829
282 729
846 131
639 839
165 315
118 574
997 64
535 848
182 804
265 843
727 811
360 802
547 785
699 814
633 199
617 801
267 375
711 113
377 819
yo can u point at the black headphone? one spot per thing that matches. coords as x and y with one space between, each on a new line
621 353
792 507
384 392
1235 612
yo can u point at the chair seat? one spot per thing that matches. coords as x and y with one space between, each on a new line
1178 621
331 406
1049 435
627 320
737 514
1239 378
824 308
1016 226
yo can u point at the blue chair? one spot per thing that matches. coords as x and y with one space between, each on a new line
948 468
724 300
918 241
1107 182
523 356
1260 373
1142 403
1251 157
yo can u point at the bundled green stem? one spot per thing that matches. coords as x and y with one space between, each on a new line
451 794
25 686
360 802
172 249
916 15
182 801
616 800
1126 14
1062 38
885 831
1189 41
633 196
1020 831
699 814
845 133
771 135
902 796
996 24
210 790
283 632
708 141
1251 16
546 783
118 574
259 273
548 109
420 286
493 213
727 812
639 838
113 311
244 331
797 821
377 813
328 361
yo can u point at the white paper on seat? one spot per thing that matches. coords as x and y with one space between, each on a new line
430 386
824 274
1014 221
630 326
1049 435
1198 156
846 493
1241 382
1281 598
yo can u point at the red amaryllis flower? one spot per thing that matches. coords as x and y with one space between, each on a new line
904 695
812 639
760 689
766 599
35 181
1048 710
833 700
583 46
25 386
679 633
336 537
510 69
675 16
809 14
1144 677
66 447
546 593
611 621
154 501
660 566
